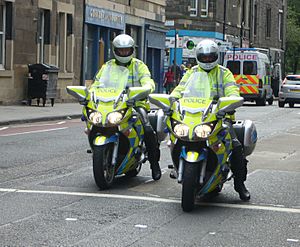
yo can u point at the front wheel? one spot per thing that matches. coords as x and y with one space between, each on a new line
102 167
189 186
280 104
291 104
134 172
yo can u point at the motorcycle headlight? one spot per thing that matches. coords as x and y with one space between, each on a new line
95 117
203 131
114 117
181 130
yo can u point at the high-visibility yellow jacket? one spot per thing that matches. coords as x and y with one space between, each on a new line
221 80
139 74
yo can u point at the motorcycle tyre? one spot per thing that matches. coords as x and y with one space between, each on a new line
102 156
189 186
134 172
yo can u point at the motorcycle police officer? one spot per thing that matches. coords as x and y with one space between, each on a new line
222 84
139 75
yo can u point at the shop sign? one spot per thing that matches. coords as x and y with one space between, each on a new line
104 17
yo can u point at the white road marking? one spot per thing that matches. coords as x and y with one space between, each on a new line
154 199
71 219
38 125
292 240
141 226
3 128
34 131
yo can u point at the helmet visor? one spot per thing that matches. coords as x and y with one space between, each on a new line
208 57
123 52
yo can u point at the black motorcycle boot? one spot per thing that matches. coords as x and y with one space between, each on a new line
239 169
240 188
156 172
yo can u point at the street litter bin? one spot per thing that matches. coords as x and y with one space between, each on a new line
42 82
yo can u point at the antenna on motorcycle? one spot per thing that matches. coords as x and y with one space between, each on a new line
215 99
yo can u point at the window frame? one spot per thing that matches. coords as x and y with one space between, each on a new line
268 22
195 8
204 9
3 39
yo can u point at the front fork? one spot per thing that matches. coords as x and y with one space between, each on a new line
103 140
192 157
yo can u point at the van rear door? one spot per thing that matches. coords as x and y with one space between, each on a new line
248 79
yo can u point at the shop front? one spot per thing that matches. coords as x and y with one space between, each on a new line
154 53
101 27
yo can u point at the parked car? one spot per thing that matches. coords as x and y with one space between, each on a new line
289 91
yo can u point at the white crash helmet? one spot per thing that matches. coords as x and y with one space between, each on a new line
120 42
207 54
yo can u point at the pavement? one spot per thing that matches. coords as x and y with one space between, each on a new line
17 114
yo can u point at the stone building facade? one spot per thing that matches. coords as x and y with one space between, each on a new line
235 23
39 31
75 36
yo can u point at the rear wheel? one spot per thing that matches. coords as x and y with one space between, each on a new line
291 104
280 104
261 101
270 100
102 168
189 186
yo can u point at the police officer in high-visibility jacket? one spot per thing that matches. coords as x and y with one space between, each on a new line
222 84
139 75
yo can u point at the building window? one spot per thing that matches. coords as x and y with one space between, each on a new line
255 20
2 36
203 8
194 8
65 42
44 33
268 28
280 25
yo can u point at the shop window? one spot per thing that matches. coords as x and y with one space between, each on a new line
135 33
194 8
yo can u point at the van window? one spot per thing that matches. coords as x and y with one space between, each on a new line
234 67
250 68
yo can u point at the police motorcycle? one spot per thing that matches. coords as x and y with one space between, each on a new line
201 145
114 128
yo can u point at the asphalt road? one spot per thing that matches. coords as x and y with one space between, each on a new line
48 196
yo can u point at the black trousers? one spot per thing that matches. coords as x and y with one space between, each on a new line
238 160
151 140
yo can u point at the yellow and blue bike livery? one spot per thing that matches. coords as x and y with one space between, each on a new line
115 131
201 143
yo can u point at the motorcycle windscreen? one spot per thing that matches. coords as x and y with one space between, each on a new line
197 94
112 82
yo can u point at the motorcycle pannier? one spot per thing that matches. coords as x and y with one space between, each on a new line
158 123
247 135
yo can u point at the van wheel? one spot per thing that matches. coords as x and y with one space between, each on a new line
270 100
261 101
291 104
280 104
